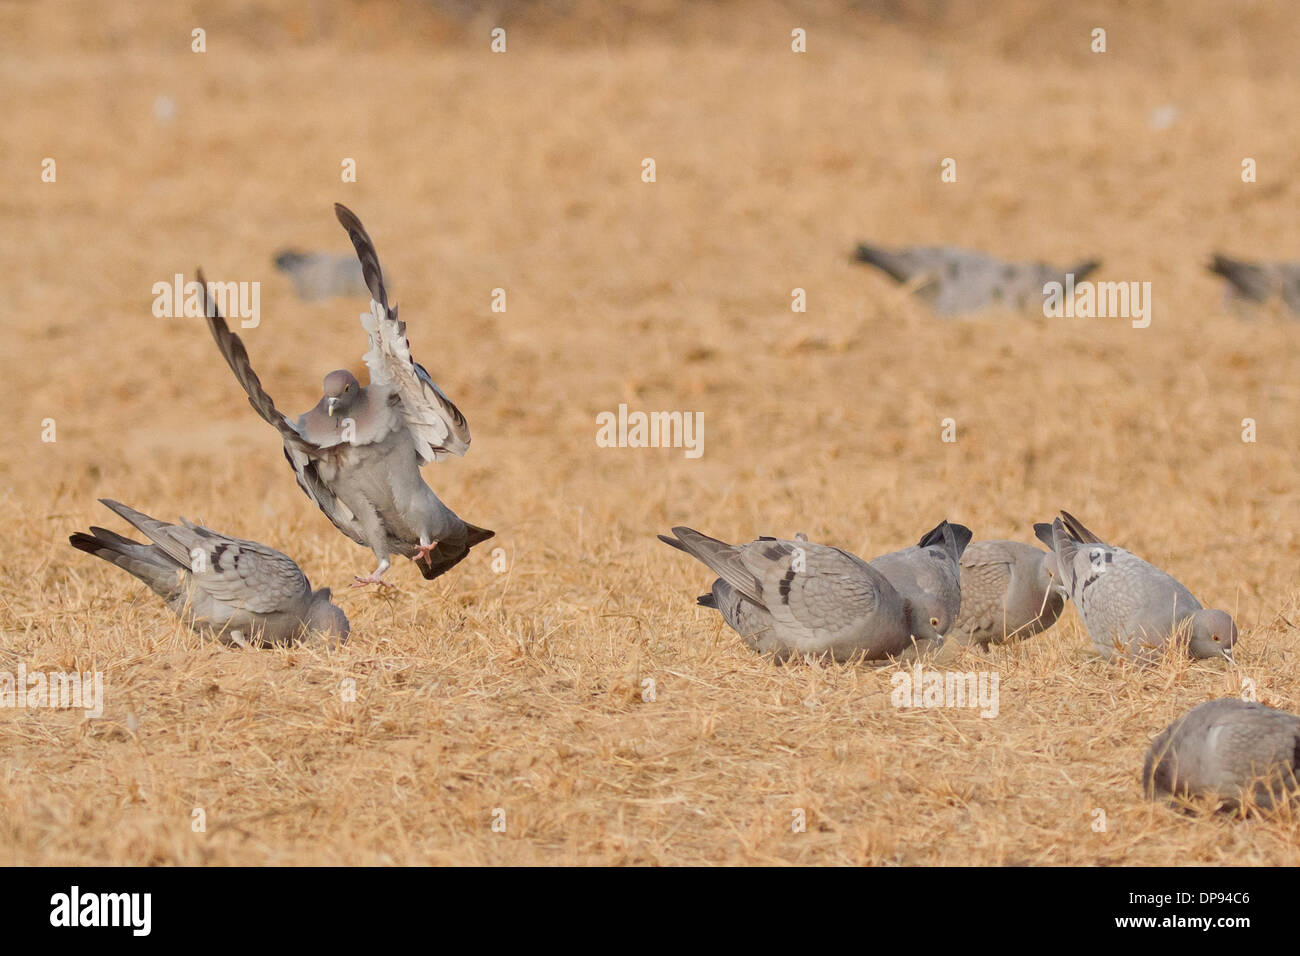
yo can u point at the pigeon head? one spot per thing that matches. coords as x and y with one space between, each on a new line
928 621
341 390
1049 576
327 619
1213 633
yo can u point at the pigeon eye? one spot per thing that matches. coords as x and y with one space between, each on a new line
934 622
1216 638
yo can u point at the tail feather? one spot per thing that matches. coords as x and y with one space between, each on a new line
1085 268
446 556
1249 279
721 558
1066 548
887 262
146 562
1077 531
1043 532
952 537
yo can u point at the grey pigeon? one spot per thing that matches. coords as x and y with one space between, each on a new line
1227 748
928 574
955 281
1258 282
321 275
241 592
1009 591
798 598
358 453
1131 608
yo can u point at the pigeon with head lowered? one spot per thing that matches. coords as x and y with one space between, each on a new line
955 281
239 591
796 598
928 574
358 453
1229 748
1131 608
1009 591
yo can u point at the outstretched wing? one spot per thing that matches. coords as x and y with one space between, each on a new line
436 425
301 453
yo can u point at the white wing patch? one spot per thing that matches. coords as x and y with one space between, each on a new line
434 422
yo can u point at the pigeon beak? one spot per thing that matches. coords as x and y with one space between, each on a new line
330 405
1227 652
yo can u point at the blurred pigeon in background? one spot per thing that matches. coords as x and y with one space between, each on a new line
1259 282
1229 748
359 451
1009 591
241 592
954 281
322 275
1130 607
797 598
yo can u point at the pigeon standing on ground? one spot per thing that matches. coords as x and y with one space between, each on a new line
928 574
954 281
358 453
1228 748
241 592
1259 282
798 598
1009 591
1131 608
321 275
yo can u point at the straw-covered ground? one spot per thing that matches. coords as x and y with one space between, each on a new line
579 697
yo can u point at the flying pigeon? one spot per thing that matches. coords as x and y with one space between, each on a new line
1009 591
1130 607
1227 748
241 592
928 574
359 451
799 598
1258 282
955 281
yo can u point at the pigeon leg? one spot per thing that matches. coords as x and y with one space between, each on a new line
423 551
374 577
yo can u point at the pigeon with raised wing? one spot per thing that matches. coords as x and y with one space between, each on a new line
239 591
358 453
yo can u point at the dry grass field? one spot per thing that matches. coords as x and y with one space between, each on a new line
523 691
